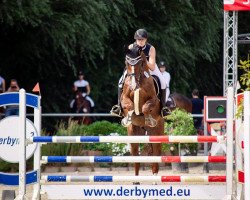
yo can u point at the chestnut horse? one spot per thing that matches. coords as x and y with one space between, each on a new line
81 105
141 105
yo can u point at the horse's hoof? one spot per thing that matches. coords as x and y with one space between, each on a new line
116 110
125 122
136 183
165 112
151 125
151 122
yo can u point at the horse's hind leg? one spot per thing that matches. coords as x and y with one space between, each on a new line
156 147
156 152
135 152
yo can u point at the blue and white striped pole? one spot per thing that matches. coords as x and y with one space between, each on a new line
131 159
126 139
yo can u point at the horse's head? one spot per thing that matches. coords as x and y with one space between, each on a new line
136 64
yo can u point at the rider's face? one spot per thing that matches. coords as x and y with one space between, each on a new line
141 42
162 69
80 77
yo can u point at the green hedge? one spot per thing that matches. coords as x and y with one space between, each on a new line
100 128
180 122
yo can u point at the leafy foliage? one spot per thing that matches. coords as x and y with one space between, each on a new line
49 40
245 82
100 128
245 77
180 122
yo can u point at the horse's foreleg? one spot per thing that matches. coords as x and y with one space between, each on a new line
148 109
127 104
128 107
134 151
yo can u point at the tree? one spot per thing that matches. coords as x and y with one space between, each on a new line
49 40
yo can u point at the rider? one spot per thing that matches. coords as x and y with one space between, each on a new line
141 37
84 87
163 68
12 109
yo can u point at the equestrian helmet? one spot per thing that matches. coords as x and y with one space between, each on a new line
141 34
162 64
80 73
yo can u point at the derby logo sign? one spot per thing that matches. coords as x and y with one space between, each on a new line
9 139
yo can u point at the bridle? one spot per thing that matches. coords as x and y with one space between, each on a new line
134 81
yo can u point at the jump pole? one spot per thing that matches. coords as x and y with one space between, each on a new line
126 139
35 103
229 165
132 159
37 154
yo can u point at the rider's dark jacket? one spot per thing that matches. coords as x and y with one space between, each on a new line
145 49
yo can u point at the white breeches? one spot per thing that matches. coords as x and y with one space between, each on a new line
92 104
72 103
160 76
155 72
167 93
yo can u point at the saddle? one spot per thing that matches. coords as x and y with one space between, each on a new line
157 85
170 101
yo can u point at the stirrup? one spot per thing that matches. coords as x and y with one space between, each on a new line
165 111
116 110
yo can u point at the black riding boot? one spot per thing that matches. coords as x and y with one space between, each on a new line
116 109
164 109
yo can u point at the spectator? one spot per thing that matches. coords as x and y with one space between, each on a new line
197 108
2 89
83 86
12 109
2 85
164 70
